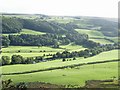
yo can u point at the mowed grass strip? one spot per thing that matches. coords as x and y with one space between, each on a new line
109 55
75 76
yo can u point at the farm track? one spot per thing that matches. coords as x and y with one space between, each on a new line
62 67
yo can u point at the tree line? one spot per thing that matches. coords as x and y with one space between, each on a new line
87 52
11 25
18 59
46 40
15 25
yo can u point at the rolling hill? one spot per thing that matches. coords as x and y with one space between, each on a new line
58 50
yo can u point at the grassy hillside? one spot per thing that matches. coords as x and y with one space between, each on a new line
27 49
97 36
31 51
109 55
102 41
91 33
60 33
56 24
27 31
72 47
76 76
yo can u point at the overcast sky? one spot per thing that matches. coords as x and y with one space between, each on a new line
99 8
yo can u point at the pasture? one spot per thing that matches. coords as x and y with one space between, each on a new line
109 55
75 76
101 41
69 77
26 31
31 51
71 47
75 71
97 36
90 33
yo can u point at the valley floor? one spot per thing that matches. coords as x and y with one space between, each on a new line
69 76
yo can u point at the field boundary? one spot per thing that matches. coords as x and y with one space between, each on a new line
62 67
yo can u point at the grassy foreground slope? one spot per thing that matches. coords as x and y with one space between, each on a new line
75 76
109 55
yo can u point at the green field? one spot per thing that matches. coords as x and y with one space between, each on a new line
102 41
69 76
37 51
27 49
115 39
72 47
97 36
76 76
27 31
109 55
71 72
90 33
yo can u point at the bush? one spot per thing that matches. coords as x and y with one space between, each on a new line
17 59
5 60
63 59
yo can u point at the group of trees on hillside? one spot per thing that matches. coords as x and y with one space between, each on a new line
11 25
108 27
87 52
5 41
15 25
44 40
18 59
